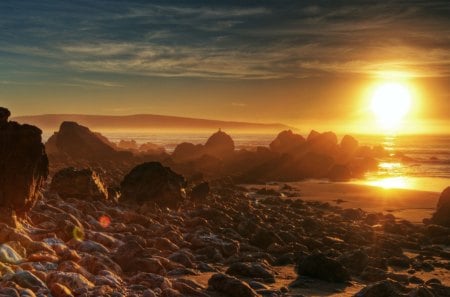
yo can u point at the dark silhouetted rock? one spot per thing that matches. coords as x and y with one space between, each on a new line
349 145
80 143
252 270
340 173
323 143
151 148
81 184
263 238
154 183
23 165
187 151
287 142
219 145
442 214
230 286
200 192
386 288
321 267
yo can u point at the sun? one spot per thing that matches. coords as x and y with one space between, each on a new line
390 103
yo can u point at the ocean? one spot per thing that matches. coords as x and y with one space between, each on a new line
425 163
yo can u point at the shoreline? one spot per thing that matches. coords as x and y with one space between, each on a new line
407 204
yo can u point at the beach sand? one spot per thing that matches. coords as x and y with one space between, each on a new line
411 205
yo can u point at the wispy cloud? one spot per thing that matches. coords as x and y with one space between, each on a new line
241 41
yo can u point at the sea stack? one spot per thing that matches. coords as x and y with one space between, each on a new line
23 167
442 214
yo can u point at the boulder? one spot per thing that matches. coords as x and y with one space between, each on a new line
219 145
152 182
200 192
23 165
230 286
323 143
251 270
442 214
187 151
287 142
349 145
79 143
128 145
151 148
386 288
82 184
321 267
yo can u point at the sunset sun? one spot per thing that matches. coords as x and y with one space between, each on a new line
390 103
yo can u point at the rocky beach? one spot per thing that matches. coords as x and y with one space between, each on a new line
82 216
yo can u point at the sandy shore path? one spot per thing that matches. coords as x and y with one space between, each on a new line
411 205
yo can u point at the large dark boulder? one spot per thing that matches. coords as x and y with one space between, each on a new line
287 142
219 145
385 288
78 183
23 165
323 143
442 214
152 182
230 286
321 267
79 143
187 151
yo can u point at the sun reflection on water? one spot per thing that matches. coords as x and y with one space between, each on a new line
398 182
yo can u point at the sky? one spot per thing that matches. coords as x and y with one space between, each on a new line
301 63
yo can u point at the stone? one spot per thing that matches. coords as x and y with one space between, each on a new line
287 142
200 192
219 145
386 288
59 290
9 255
72 280
230 286
152 182
321 267
82 184
24 167
264 238
442 214
186 152
79 143
252 270
28 280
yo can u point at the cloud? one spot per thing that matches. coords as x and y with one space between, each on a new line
229 40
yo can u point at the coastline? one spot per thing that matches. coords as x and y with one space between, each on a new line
407 204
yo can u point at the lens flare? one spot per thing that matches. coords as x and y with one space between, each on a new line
104 221
78 233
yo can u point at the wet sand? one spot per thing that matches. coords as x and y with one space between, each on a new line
411 205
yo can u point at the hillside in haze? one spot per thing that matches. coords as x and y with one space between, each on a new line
143 122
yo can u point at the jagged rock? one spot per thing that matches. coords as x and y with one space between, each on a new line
78 183
287 142
154 183
322 143
80 143
230 286
28 280
23 166
321 267
442 214
151 148
219 145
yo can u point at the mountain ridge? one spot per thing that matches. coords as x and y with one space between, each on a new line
144 122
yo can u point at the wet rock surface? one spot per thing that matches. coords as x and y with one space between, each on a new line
23 166
442 214
237 245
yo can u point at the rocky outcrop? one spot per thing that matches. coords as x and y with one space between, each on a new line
287 142
186 152
81 184
151 182
23 165
79 143
442 214
219 145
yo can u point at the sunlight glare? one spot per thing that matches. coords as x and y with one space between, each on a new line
390 103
